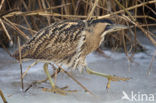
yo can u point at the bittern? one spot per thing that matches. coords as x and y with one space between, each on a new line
68 43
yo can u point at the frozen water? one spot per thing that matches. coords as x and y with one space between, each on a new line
118 65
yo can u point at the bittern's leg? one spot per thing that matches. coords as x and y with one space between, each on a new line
54 89
3 98
48 75
109 77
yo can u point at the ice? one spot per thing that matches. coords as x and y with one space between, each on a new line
117 65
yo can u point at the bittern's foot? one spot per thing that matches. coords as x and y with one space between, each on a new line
114 78
109 77
58 90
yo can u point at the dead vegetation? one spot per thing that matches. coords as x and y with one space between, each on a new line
24 18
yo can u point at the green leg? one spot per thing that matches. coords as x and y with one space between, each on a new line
90 71
54 89
48 75
109 77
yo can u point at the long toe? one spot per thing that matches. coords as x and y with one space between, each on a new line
115 78
58 90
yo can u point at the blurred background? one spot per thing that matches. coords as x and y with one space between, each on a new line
24 18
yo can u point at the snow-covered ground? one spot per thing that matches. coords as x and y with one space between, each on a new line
140 89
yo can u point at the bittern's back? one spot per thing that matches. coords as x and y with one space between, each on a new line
56 42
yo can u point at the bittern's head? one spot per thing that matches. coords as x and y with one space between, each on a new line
105 26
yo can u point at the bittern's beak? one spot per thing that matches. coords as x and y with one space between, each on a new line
115 27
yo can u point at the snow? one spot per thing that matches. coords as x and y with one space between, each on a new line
118 65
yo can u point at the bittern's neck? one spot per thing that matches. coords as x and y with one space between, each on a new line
99 31
93 37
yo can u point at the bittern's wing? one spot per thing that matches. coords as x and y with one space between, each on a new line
58 42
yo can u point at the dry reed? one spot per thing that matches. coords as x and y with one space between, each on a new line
32 15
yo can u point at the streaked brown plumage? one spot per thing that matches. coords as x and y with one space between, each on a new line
68 43
65 42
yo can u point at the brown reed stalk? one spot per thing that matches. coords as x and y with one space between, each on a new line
86 90
92 10
2 95
20 60
147 33
7 33
1 4
9 23
129 8
150 65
